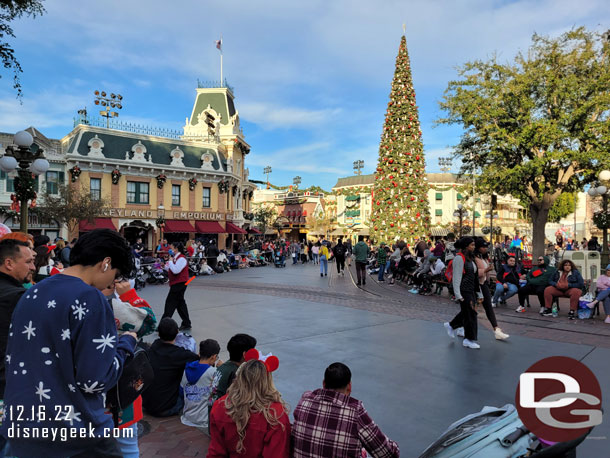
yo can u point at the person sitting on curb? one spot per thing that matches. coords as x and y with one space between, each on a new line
507 281
537 280
603 293
329 422
566 282
162 398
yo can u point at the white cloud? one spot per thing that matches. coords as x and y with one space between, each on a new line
268 115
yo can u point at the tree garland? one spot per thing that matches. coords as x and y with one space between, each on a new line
74 173
601 219
192 183
161 179
116 176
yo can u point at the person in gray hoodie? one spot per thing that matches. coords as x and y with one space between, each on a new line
196 385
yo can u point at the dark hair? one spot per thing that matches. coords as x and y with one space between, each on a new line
74 240
179 246
238 344
337 376
41 239
208 348
168 329
9 249
451 236
98 244
42 257
511 256
361 238
564 262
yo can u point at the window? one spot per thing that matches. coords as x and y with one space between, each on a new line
95 187
137 193
438 212
52 179
207 197
176 195
439 196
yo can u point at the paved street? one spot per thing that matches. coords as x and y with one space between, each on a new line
412 378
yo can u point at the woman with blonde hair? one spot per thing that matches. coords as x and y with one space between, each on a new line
251 420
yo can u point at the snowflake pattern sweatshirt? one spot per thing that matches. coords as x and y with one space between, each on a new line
63 354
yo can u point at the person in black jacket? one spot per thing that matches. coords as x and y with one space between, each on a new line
507 281
339 251
162 398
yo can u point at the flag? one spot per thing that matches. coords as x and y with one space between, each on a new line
219 45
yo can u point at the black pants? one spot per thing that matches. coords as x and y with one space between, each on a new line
489 311
340 263
361 272
175 300
528 289
467 318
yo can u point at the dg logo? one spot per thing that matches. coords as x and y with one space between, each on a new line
559 399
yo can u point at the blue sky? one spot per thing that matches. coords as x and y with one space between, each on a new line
311 79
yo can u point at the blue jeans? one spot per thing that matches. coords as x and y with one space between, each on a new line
129 445
604 296
512 290
323 265
315 258
381 271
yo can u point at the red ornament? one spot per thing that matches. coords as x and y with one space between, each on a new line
378 202
391 224
417 158
418 215
391 177
376 228
391 160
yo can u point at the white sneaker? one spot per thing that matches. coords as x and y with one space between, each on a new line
500 335
459 332
450 331
470 344
520 309
541 310
493 304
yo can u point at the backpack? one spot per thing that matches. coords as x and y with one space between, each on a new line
340 250
449 270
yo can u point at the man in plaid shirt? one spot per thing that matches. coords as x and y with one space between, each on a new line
329 422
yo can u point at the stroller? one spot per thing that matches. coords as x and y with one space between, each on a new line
279 260
496 433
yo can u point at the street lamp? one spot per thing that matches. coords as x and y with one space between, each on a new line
267 171
491 217
358 166
114 101
161 220
296 181
30 165
602 190
445 163
461 213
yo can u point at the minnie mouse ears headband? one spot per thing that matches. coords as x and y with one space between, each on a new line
271 362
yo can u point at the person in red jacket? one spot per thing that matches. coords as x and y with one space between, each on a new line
251 420
178 270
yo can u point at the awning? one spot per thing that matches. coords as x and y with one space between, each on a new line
98 223
178 225
254 230
233 229
208 227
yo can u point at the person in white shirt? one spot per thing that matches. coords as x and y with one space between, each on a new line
178 270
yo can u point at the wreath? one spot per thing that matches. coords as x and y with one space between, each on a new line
161 179
160 222
601 219
75 173
25 186
192 183
116 176
235 189
223 186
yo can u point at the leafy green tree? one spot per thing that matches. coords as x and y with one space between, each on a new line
563 206
9 11
537 127
264 215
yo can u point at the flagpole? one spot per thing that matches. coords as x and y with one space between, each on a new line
221 79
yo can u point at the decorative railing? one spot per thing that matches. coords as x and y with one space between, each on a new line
128 127
214 84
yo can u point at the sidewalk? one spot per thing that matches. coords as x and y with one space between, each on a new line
169 438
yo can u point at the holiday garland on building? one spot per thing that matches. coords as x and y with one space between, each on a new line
400 192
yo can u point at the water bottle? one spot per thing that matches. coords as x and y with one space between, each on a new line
555 312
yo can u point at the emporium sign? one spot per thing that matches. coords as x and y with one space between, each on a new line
153 214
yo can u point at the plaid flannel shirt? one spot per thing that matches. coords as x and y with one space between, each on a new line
328 423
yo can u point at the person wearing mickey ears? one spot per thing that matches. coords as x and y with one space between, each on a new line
178 270
251 420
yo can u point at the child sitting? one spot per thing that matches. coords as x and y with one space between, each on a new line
196 385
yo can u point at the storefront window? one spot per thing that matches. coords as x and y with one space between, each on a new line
207 197
54 179
176 195
95 186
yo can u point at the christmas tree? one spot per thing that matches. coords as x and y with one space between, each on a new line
400 192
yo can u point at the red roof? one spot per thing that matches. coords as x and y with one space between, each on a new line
178 225
208 227
98 223
233 229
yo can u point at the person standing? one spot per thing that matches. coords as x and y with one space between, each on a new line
65 253
315 252
382 256
295 249
361 253
339 252
324 255
465 284
178 270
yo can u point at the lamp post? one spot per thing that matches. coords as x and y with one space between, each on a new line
114 101
602 190
28 164
445 163
267 171
161 220
461 213
491 216
296 181
358 166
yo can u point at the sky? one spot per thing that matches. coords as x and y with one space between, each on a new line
312 79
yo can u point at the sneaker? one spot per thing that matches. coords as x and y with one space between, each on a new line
414 291
541 310
571 315
450 331
607 320
363 283
326 275
471 344
500 335
321 275
547 312
494 304
459 332
358 284
520 309
184 328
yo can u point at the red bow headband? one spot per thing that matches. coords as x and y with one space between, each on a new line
271 362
